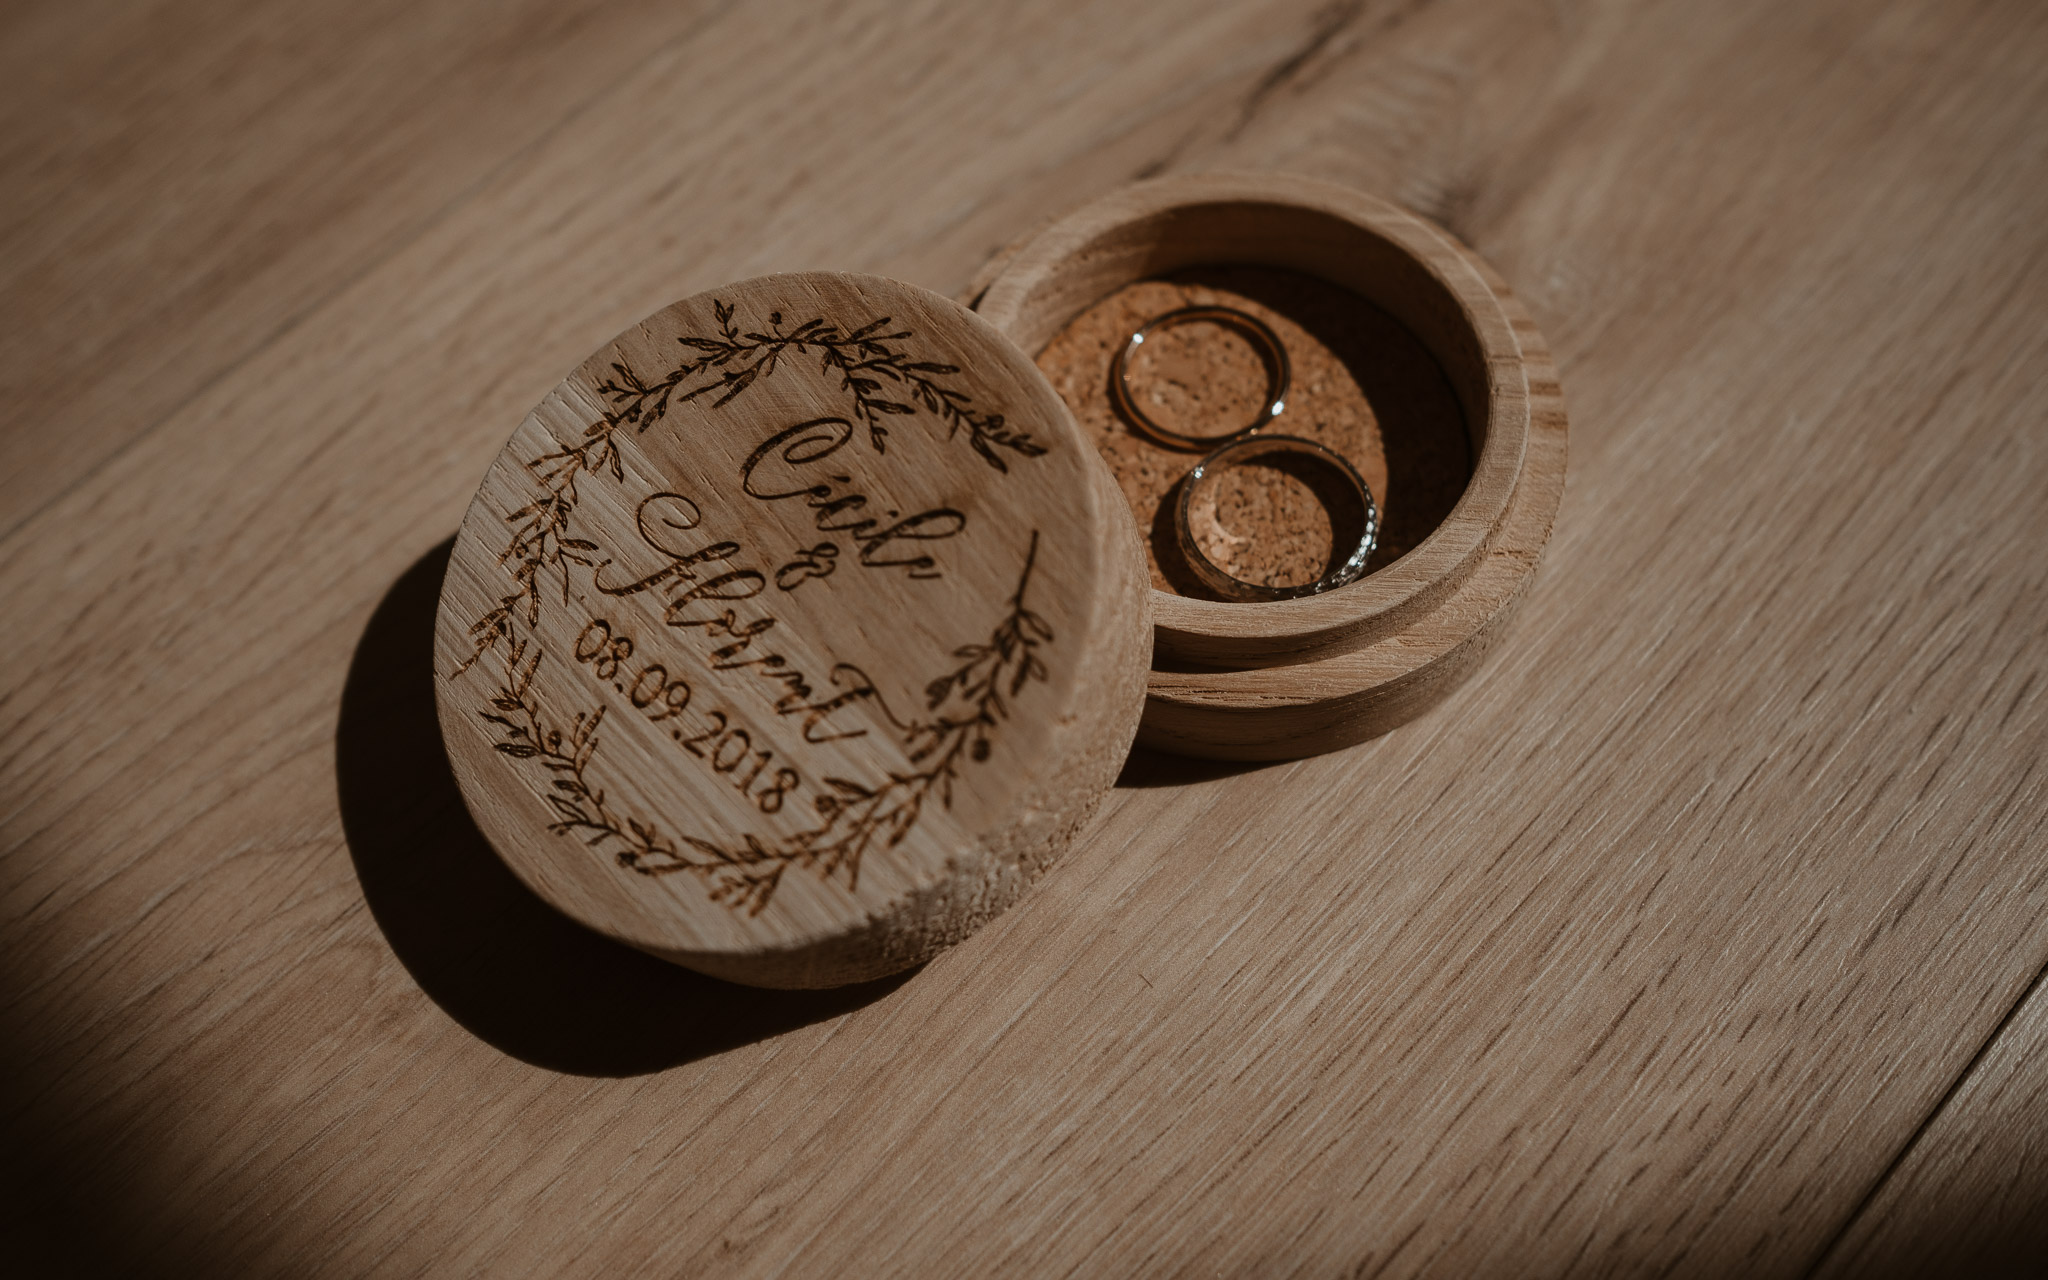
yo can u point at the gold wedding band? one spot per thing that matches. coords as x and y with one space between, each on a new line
1271 350
1245 450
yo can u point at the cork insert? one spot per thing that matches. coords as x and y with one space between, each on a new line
1362 385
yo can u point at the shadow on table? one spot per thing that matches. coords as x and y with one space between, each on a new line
501 962
1145 769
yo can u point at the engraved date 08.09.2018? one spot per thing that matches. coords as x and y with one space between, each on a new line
728 748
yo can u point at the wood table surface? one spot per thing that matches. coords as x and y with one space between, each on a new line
1701 934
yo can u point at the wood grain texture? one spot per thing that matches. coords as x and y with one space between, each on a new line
187 178
1969 1197
1647 952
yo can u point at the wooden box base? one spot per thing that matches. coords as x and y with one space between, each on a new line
1299 677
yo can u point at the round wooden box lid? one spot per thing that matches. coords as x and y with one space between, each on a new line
793 633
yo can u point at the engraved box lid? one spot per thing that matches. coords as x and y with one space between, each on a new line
794 633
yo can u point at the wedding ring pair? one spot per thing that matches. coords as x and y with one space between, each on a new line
1246 444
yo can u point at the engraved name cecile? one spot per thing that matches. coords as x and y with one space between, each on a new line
708 586
779 463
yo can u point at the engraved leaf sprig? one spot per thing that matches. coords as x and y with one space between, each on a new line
745 879
725 366
882 378
988 677
539 542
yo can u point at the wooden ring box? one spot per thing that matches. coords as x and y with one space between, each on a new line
1298 677
797 630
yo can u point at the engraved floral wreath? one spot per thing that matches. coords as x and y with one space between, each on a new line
853 816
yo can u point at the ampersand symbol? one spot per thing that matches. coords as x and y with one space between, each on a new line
817 562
